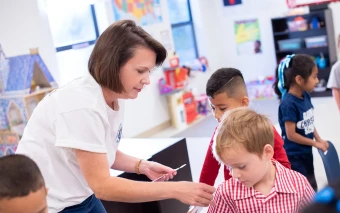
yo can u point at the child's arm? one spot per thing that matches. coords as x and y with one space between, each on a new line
334 83
297 138
279 152
336 95
223 202
210 166
319 139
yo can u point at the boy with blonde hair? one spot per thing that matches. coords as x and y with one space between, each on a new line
244 143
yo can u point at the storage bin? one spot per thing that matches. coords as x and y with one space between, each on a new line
290 44
316 41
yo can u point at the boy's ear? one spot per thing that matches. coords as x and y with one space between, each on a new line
245 101
268 152
46 189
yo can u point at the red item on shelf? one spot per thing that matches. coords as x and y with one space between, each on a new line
177 78
190 106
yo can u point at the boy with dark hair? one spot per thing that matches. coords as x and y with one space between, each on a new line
22 187
227 90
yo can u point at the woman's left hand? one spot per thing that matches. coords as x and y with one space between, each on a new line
155 170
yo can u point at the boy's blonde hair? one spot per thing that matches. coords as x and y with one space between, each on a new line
243 127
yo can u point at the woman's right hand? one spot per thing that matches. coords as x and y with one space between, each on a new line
194 194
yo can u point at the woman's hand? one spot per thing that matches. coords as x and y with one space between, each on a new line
155 170
194 194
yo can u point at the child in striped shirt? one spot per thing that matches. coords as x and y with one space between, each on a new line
244 143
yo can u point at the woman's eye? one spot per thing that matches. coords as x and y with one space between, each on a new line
223 109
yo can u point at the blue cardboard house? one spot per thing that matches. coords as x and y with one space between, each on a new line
24 81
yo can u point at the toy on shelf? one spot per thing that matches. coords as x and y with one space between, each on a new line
24 81
199 64
8 143
177 78
298 24
174 60
315 23
190 106
261 89
321 61
177 110
163 87
202 104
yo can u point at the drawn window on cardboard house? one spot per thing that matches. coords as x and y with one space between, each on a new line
15 118
14 115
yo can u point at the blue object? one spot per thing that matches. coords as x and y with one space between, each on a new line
284 64
327 196
90 205
321 62
231 2
331 162
290 44
314 23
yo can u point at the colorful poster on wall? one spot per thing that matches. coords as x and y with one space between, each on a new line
231 2
248 38
143 12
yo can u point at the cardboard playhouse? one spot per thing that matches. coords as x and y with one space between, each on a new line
24 81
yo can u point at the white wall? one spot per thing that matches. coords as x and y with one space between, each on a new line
24 25
215 39
214 25
336 19
149 109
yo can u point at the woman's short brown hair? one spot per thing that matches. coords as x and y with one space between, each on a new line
115 47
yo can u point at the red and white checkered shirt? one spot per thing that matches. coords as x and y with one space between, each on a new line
290 193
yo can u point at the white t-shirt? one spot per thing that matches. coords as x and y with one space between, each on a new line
334 77
75 116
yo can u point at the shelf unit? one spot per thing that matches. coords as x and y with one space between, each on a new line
281 32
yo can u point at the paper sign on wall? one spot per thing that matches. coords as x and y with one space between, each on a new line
248 39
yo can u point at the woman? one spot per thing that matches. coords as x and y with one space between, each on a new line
74 132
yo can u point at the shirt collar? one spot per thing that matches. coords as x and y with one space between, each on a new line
283 184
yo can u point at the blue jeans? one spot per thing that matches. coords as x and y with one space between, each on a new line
90 205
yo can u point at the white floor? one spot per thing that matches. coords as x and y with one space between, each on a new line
327 122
